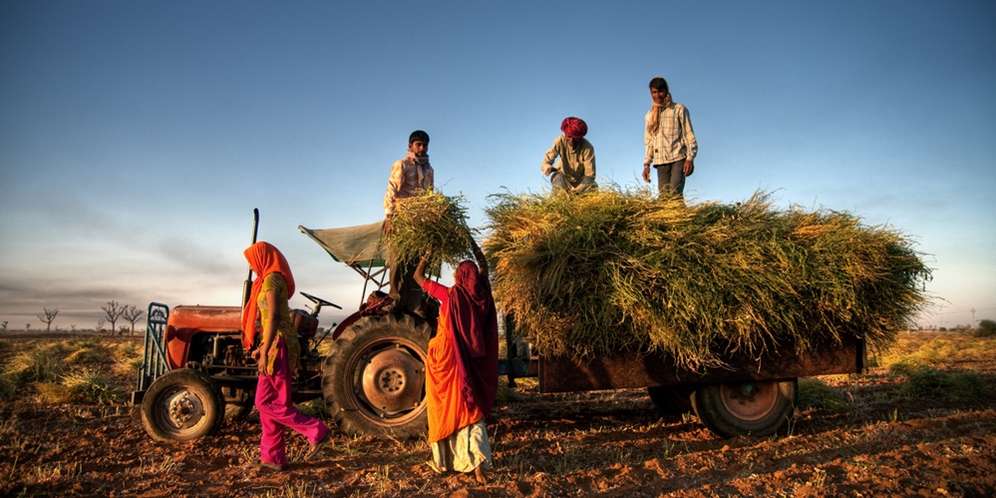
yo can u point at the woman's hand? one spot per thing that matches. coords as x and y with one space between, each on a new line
420 269
261 355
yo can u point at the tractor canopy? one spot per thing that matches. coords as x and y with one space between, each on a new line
356 246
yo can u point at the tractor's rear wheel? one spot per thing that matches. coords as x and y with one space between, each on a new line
671 401
180 406
373 382
745 408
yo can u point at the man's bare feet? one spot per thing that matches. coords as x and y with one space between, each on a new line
479 475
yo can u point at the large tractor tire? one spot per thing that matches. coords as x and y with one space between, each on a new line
373 382
746 408
671 401
181 405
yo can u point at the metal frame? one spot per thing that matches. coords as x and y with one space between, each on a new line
154 363
369 274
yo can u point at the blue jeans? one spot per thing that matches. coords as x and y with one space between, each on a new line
671 178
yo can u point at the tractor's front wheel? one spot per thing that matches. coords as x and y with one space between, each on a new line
180 406
745 408
373 382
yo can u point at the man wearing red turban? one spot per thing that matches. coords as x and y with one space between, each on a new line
570 162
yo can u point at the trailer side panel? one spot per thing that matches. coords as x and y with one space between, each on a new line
559 374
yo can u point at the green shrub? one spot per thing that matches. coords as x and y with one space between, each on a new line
987 328
7 388
814 393
926 383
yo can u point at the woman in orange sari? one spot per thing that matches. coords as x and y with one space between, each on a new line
462 369
277 357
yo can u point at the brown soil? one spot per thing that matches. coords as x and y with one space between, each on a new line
878 440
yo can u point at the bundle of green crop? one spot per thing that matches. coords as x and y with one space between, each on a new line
430 223
612 272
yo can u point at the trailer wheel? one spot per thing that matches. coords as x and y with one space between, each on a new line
747 408
180 406
373 382
670 401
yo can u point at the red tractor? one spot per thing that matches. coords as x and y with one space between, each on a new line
195 370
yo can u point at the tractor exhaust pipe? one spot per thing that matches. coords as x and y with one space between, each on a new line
247 285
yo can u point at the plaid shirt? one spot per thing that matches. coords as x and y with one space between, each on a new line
674 139
407 178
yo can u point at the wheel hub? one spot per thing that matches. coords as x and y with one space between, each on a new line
184 409
392 381
750 401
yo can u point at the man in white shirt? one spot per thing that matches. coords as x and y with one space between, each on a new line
669 141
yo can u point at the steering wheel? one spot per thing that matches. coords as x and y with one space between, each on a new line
318 300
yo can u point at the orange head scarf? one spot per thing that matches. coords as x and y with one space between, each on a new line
263 259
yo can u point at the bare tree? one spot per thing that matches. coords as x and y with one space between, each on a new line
3 326
47 316
112 313
132 315
100 325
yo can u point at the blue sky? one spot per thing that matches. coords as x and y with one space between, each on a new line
135 137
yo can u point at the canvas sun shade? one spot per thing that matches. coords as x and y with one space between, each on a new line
357 246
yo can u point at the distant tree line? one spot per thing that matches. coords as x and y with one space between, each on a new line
113 313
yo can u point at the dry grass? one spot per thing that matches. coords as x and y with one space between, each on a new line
625 271
87 385
430 223
298 489
42 363
938 349
70 370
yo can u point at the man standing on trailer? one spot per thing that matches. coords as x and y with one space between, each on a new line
669 142
574 172
410 175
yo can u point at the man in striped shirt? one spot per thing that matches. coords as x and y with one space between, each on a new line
669 142
410 176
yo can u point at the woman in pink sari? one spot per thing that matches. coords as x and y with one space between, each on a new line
277 357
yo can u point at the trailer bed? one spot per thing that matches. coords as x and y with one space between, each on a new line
560 374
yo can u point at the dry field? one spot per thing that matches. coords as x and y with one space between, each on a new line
922 422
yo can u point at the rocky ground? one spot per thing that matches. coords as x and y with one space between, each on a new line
922 422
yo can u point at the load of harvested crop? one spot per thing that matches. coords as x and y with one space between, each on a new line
430 223
612 272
